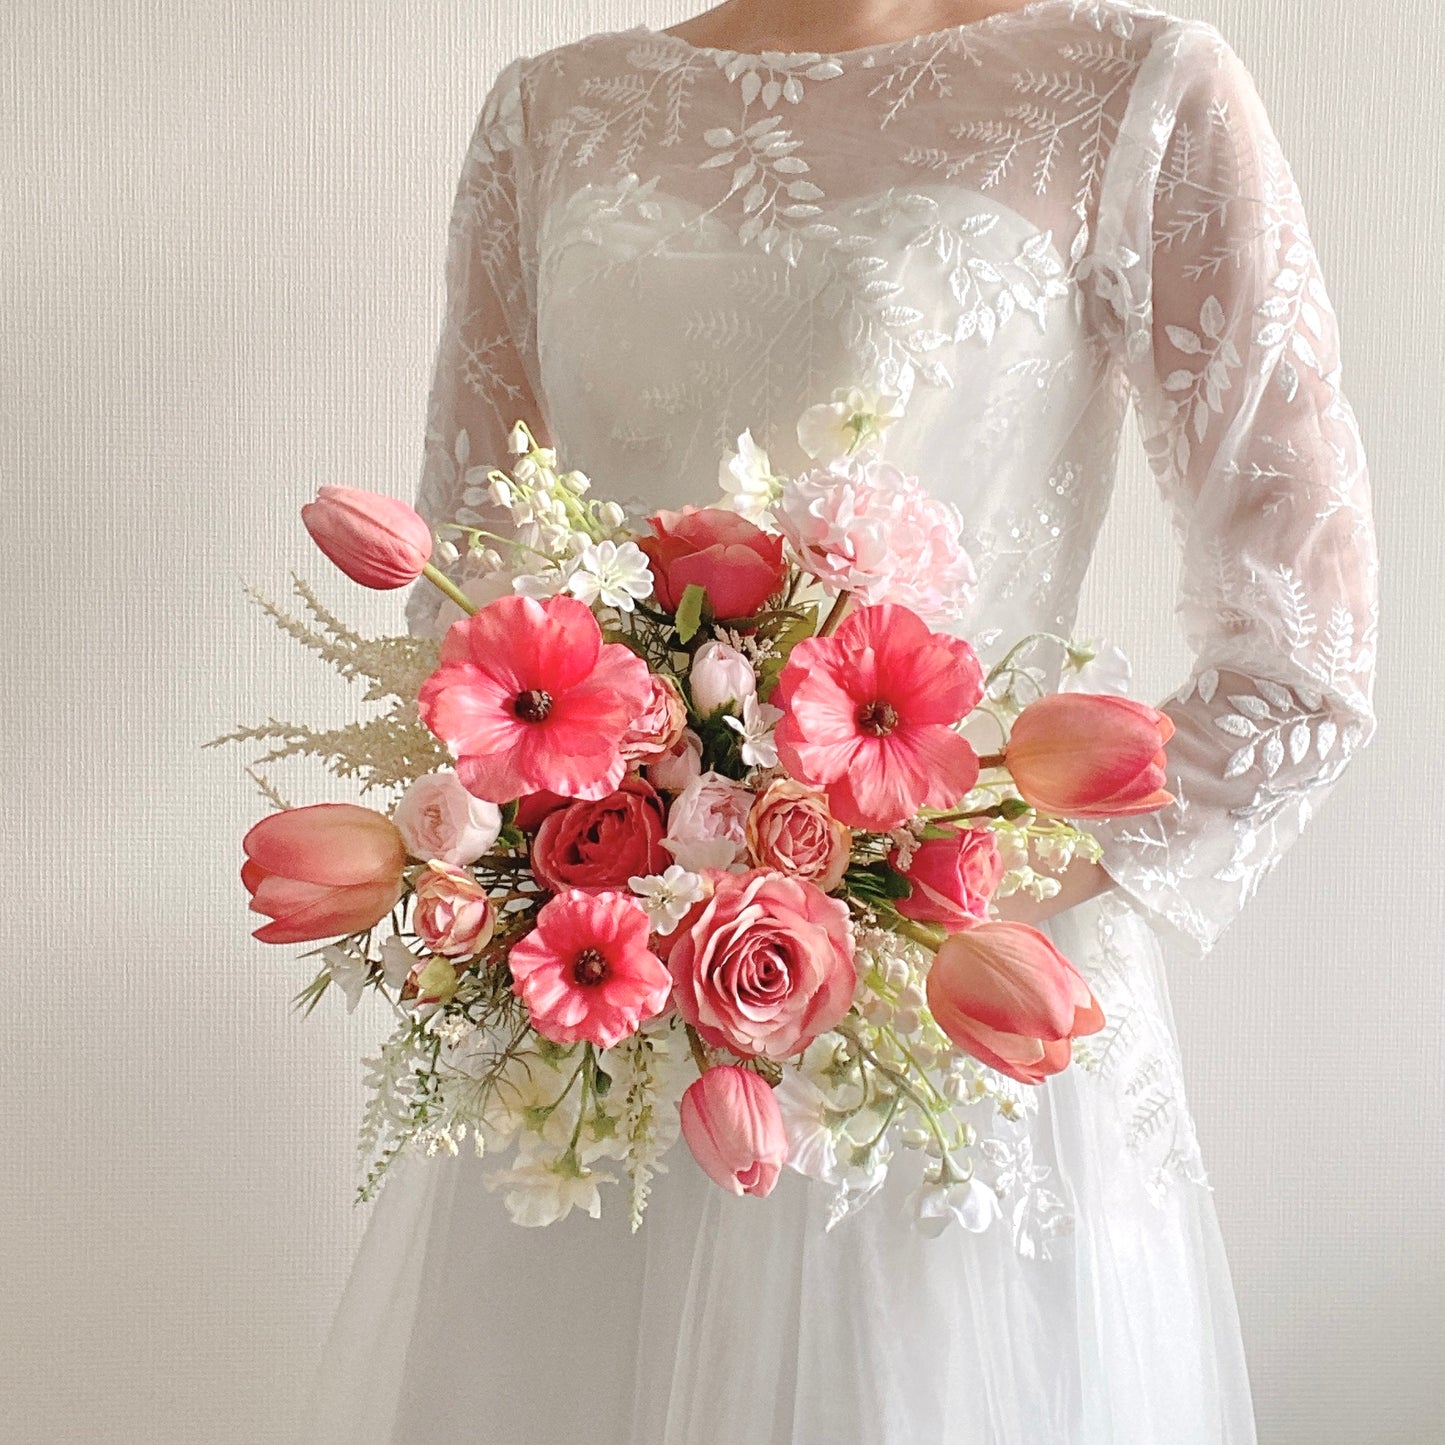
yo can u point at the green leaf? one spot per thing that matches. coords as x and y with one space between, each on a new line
876 882
690 611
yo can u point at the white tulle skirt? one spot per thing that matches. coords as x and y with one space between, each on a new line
732 1319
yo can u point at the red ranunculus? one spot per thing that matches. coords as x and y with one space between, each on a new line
600 845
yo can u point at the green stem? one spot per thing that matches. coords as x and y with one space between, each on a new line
835 617
439 579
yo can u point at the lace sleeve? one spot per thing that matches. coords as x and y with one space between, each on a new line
1231 349
485 371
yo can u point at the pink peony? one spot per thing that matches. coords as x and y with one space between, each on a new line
1003 993
529 697
735 1130
322 872
680 765
1087 755
869 714
739 565
707 824
656 730
790 830
766 965
597 845
376 540
438 818
585 971
453 914
874 532
953 878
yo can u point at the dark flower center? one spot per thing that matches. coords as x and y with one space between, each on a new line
589 967
533 705
877 719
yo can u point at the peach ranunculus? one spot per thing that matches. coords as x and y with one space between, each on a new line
953 878
739 565
707 823
600 845
376 540
454 916
438 818
734 1127
322 872
656 730
1003 993
1090 755
791 830
766 965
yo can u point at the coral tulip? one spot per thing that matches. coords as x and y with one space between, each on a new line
1090 755
733 1126
322 872
376 540
1003 993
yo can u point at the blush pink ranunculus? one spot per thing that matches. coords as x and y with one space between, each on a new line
585 971
1003 993
656 730
1090 755
734 1127
868 716
376 540
454 916
679 766
953 878
439 818
322 872
601 844
708 822
791 830
528 697
766 966
739 565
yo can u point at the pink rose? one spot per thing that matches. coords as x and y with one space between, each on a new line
658 728
790 830
453 914
953 878
720 677
679 765
735 1130
766 966
707 825
601 845
739 565
438 818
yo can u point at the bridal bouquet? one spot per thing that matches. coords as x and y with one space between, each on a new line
684 833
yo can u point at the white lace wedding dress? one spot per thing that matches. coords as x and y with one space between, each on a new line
1044 215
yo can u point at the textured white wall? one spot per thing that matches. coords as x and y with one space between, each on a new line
221 245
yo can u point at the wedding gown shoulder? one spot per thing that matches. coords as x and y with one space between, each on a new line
1028 224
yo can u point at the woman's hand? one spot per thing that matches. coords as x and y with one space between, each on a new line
1080 880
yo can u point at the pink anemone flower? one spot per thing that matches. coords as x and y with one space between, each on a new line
869 714
529 698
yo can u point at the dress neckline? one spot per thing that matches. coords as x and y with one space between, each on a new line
879 47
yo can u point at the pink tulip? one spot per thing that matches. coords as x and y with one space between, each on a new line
739 565
735 1130
1090 755
376 540
1003 993
322 872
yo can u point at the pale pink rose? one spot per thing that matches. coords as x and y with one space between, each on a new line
454 916
735 1130
791 830
707 824
679 766
720 676
953 878
876 533
601 845
656 730
438 818
766 966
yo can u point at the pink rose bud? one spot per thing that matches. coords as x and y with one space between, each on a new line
679 766
953 878
322 872
739 565
1003 993
735 1130
655 732
790 830
376 540
1090 755
438 818
721 677
454 915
